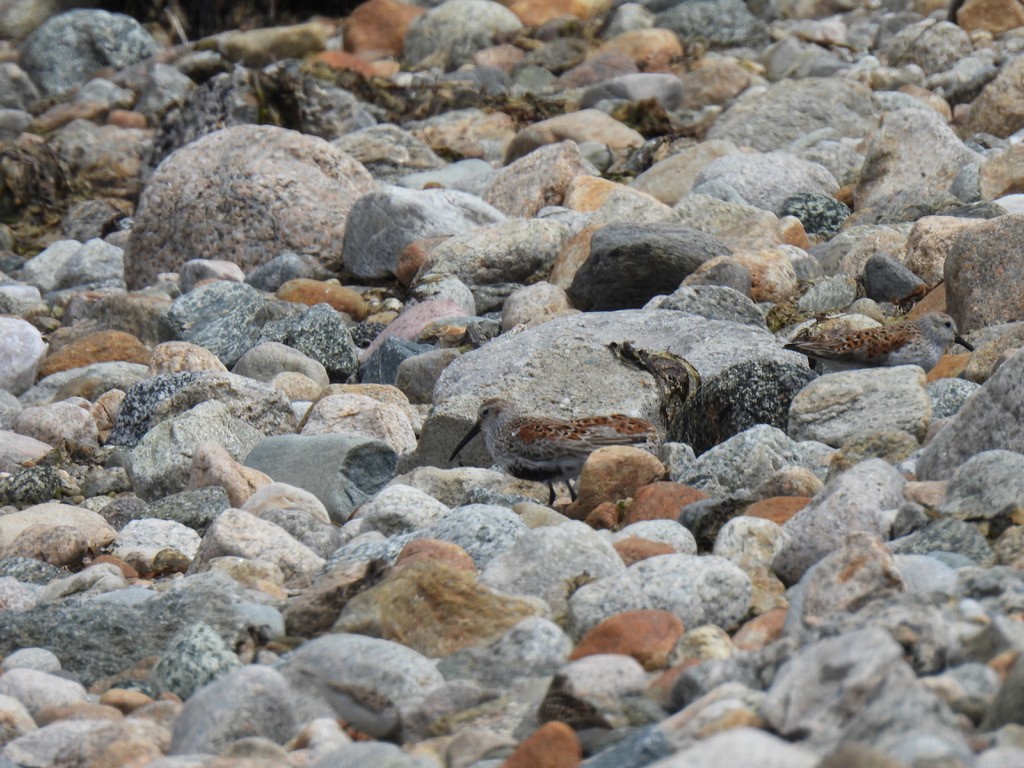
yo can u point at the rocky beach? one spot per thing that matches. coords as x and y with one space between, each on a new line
260 266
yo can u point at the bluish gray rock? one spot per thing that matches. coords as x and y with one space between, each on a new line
459 29
715 302
767 179
264 361
71 264
341 470
947 396
382 366
721 24
947 536
988 486
251 701
382 223
535 647
485 531
224 317
88 40
272 274
17 91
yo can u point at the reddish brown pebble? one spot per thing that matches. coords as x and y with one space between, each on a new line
443 552
633 549
661 501
126 570
312 292
648 636
125 700
553 745
761 630
125 118
353 63
99 347
613 473
379 26
778 509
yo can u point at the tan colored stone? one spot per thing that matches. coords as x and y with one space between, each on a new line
312 612
792 232
313 292
434 609
91 527
104 412
715 82
606 516
646 635
78 710
533 13
126 118
584 125
993 16
661 501
772 277
670 179
178 356
575 251
612 473
125 700
63 113
702 644
651 49
948 367
412 257
296 386
99 347
469 134
379 27
553 745
999 108
362 415
928 245
212 465
1002 174
258 47
504 57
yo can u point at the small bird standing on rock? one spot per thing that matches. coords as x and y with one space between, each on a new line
910 342
362 709
547 449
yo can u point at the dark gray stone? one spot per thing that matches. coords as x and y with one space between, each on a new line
30 486
319 333
534 647
1008 706
666 89
630 264
17 91
341 470
251 701
323 538
197 508
886 279
280 269
96 639
738 398
88 41
224 317
257 404
821 215
382 367
718 23
754 669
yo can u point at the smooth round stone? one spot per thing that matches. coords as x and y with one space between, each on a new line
39 659
37 690
450 176
665 531
265 361
140 541
399 509
21 350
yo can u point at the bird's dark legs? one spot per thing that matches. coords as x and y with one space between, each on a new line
572 491
551 498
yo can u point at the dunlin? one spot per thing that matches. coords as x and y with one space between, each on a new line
546 449
362 709
910 342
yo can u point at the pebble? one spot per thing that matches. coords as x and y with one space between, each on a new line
390 253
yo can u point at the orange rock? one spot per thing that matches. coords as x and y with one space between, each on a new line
444 552
612 473
379 26
412 257
792 232
125 118
778 509
661 501
948 367
99 347
311 292
633 549
79 710
648 636
177 356
533 13
934 301
126 570
125 700
606 516
761 630
575 251
651 49
212 465
65 112
553 745
342 60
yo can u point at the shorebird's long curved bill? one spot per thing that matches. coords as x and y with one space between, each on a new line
963 343
473 432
